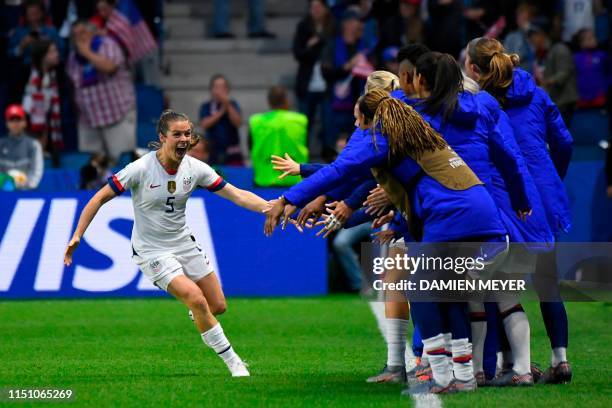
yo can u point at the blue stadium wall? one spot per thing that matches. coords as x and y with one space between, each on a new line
35 227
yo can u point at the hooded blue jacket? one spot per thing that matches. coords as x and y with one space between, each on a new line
546 145
480 132
446 215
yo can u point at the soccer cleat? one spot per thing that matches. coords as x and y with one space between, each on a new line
481 379
191 316
463 386
561 374
511 378
419 374
536 372
238 368
427 387
390 374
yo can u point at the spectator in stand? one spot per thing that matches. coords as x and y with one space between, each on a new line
20 155
42 96
64 13
104 93
445 25
389 59
370 23
342 55
277 132
576 15
256 23
34 27
479 16
221 119
95 174
200 150
121 20
311 35
595 70
517 42
556 72
390 23
609 169
410 12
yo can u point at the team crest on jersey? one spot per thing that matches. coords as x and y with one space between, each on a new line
187 184
155 266
171 186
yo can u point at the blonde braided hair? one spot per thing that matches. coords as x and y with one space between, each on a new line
408 133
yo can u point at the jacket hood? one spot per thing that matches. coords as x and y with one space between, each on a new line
467 111
465 114
522 89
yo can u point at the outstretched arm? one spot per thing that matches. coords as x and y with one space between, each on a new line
243 198
89 212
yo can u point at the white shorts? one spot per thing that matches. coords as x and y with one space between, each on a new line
161 269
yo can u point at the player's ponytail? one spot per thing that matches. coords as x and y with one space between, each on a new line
163 125
495 65
407 132
382 80
444 81
195 136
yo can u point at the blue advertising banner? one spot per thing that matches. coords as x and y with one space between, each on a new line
35 228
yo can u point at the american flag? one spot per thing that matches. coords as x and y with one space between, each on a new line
129 28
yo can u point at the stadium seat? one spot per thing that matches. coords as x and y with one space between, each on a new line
150 104
74 160
589 126
145 133
124 160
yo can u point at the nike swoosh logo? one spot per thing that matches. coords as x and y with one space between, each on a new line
152 186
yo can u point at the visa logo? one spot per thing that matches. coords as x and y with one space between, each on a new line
60 224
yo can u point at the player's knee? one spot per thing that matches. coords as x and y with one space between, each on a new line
196 301
218 307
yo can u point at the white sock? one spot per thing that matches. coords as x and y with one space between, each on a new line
499 363
396 342
449 352
378 310
516 326
478 324
462 359
409 356
438 360
559 355
216 340
479 334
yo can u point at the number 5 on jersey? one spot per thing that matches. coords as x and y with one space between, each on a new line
170 204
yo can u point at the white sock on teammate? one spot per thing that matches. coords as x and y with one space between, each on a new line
438 359
216 340
559 355
478 324
516 326
462 359
396 330
449 352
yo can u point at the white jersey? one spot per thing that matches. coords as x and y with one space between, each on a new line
160 197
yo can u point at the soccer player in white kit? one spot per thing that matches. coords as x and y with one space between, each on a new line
163 246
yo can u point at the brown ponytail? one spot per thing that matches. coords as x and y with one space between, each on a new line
407 132
495 65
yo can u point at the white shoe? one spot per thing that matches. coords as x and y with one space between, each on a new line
191 316
238 368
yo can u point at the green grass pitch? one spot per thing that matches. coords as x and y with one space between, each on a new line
302 352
